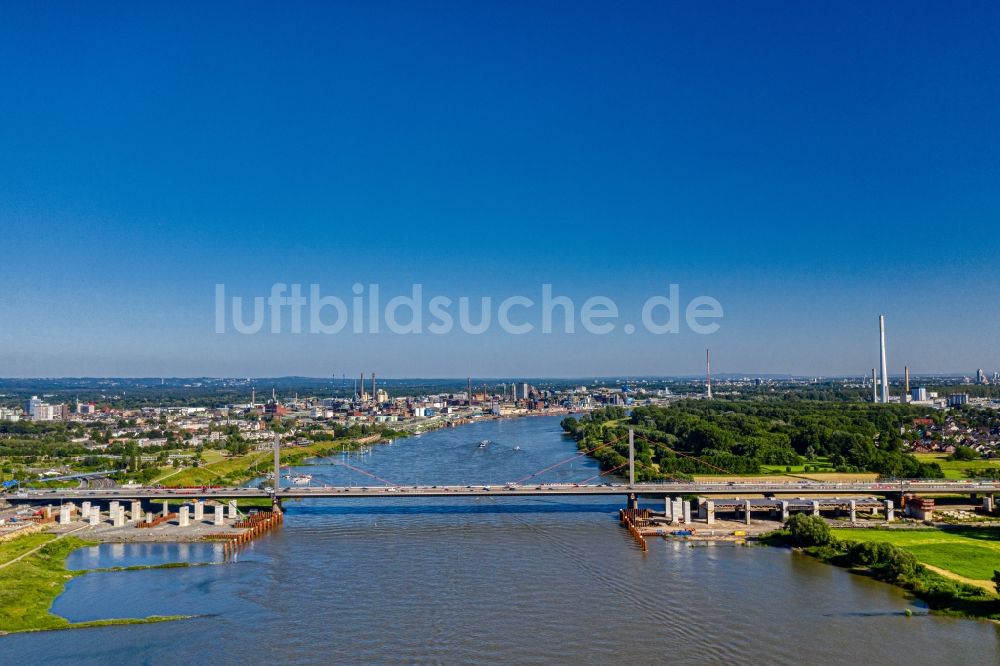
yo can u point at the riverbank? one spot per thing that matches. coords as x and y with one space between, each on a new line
29 585
237 470
880 555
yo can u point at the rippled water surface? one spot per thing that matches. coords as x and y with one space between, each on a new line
486 580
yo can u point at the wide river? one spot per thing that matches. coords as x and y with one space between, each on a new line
486 581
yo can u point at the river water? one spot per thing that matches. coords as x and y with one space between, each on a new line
486 580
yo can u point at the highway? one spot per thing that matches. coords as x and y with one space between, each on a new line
706 489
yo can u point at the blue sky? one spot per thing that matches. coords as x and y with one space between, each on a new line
807 166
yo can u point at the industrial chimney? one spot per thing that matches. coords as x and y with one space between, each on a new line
708 373
885 372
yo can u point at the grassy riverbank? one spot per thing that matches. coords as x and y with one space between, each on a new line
969 552
29 586
222 470
15 548
892 556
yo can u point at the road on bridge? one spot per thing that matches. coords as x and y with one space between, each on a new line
706 489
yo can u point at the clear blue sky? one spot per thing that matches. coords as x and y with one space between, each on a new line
807 165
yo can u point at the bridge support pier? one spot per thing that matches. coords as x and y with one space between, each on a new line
182 519
668 506
276 504
95 516
784 510
220 514
199 510
232 510
746 511
815 506
854 511
166 508
137 514
85 510
687 512
890 513
709 512
64 514
633 501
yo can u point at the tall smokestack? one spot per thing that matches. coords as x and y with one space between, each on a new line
470 391
874 386
708 372
885 372
373 387
906 381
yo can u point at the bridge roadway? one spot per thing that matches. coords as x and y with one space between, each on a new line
705 489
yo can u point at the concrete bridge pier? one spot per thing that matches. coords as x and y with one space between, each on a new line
276 504
784 510
85 510
687 512
746 510
854 511
633 501
94 516
668 508
988 505
890 513
118 516
199 510
232 510
137 513
815 508
64 514
183 520
709 512
676 510
220 515
166 508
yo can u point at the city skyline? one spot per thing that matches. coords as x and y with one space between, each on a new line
807 167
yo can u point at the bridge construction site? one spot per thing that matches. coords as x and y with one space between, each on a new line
689 508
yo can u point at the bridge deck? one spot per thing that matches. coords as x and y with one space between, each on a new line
647 490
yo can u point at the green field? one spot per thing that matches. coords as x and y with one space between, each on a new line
969 552
820 464
955 469
14 548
